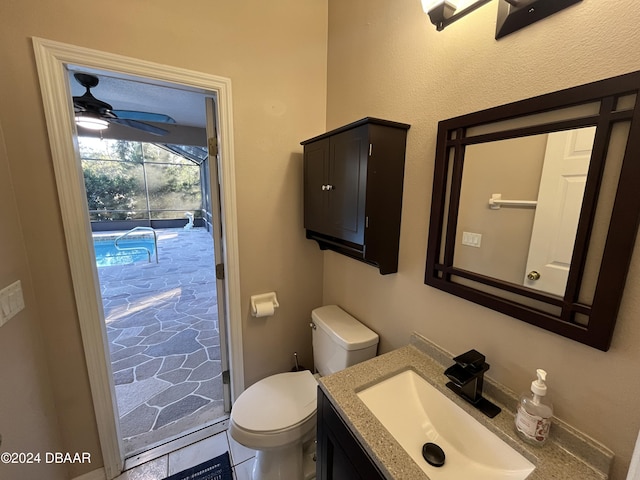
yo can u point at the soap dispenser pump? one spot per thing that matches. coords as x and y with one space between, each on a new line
533 418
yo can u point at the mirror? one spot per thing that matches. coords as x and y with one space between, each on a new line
534 212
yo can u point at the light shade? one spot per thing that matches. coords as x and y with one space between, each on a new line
429 5
90 121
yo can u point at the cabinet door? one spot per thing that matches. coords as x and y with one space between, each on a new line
348 180
340 456
316 178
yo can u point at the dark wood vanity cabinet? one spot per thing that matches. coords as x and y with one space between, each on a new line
339 454
353 178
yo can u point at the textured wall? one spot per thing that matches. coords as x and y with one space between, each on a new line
28 421
275 55
387 60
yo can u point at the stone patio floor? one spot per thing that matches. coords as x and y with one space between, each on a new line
162 327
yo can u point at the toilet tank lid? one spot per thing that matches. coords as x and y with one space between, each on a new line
348 332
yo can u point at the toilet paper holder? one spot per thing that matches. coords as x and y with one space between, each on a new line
261 299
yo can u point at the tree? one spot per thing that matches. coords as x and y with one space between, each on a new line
110 186
118 174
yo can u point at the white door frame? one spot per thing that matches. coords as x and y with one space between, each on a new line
51 60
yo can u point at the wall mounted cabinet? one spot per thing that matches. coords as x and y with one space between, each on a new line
353 179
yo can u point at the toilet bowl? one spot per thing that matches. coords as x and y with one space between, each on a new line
276 416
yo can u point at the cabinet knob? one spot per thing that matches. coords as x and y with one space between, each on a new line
533 275
329 187
324 187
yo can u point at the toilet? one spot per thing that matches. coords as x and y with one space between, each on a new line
276 416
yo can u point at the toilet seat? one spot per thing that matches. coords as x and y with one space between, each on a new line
276 410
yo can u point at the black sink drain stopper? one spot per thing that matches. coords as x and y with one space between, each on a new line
433 454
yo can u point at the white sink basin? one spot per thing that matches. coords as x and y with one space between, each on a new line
415 412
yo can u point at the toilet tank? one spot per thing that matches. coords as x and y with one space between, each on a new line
339 340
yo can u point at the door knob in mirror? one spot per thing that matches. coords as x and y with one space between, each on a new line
533 275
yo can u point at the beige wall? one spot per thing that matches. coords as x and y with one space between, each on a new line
28 421
275 55
386 60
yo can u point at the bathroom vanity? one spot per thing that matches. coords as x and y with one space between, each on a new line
354 444
341 454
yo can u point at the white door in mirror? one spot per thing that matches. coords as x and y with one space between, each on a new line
564 175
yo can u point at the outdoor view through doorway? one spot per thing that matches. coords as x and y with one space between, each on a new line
148 208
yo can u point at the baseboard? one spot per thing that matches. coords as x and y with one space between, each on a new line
93 475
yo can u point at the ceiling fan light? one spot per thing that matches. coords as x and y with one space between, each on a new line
91 122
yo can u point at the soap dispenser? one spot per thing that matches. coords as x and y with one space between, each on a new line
533 418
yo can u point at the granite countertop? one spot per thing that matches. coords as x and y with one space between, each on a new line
567 455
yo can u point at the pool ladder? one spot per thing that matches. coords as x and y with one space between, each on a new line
137 229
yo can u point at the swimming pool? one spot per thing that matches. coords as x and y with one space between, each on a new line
131 250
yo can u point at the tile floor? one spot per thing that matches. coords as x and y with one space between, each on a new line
241 458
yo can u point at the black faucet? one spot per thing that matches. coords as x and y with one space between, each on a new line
467 378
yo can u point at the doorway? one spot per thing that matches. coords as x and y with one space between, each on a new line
147 203
52 59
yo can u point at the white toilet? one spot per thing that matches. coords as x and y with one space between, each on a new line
276 416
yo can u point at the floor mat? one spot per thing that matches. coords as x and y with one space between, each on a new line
218 468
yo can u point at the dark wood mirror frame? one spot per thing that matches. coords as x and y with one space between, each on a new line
516 300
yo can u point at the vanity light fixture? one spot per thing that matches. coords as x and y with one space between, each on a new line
516 14
91 121
443 12
512 14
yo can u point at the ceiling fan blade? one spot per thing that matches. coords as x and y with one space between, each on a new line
144 116
140 126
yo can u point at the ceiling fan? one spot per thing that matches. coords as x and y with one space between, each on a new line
95 114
